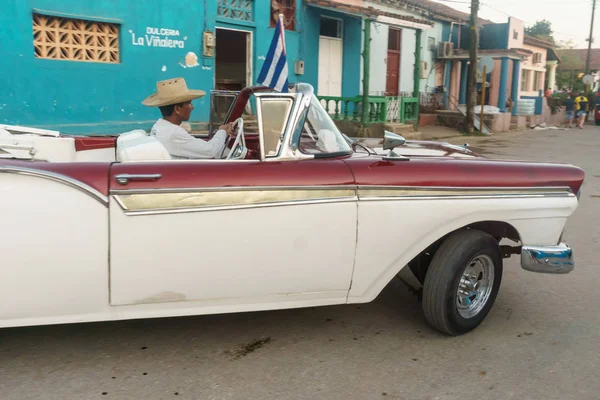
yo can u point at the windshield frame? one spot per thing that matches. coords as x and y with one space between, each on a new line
308 101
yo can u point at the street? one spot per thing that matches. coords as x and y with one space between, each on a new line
540 341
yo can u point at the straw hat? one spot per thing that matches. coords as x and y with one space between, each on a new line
171 91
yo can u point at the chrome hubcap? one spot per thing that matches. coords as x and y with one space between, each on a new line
475 286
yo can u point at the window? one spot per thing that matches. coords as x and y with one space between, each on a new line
274 115
394 39
288 9
537 82
524 83
320 136
331 27
61 38
431 44
236 9
515 34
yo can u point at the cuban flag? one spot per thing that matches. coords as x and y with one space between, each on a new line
274 73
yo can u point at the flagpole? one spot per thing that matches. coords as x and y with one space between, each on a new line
282 31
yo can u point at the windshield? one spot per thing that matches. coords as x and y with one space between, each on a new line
320 136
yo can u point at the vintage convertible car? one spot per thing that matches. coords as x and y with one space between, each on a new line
294 214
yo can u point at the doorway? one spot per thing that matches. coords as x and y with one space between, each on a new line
392 83
233 61
330 57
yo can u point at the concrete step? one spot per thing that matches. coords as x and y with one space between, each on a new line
400 129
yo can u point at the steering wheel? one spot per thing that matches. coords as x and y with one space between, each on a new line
238 150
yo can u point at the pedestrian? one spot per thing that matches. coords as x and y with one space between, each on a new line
549 92
581 108
569 110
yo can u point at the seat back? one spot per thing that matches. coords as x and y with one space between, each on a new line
141 148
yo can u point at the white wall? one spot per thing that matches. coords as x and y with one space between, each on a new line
518 26
379 43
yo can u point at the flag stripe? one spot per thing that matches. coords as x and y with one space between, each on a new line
274 72
270 55
280 67
272 67
282 83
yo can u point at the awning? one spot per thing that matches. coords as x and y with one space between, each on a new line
514 54
384 17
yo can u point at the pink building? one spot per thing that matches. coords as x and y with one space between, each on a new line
521 63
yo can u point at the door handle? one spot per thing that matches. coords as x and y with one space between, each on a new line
124 179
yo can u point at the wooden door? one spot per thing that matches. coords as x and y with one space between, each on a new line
330 66
392 85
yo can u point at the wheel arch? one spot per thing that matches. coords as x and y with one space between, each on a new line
498 229
412 272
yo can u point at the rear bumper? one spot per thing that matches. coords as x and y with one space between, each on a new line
548 259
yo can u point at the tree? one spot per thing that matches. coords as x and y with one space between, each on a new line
541 30
566 44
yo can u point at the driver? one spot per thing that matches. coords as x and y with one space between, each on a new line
174 100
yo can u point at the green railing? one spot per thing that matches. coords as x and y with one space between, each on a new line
349 108
381 109
409 109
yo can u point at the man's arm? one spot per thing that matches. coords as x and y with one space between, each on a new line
188 146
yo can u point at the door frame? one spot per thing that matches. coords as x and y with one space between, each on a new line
339 39
249 52
399 52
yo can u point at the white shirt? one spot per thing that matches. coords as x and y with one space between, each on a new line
180 144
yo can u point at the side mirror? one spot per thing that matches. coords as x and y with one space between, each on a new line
390 142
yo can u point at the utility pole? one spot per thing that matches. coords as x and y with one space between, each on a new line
590 40
364 119
472 77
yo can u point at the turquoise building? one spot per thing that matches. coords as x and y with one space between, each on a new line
85 67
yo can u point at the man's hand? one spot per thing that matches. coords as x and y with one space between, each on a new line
227 128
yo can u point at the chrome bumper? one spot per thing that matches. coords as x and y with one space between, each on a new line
548 259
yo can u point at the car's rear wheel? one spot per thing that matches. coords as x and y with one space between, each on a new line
462 281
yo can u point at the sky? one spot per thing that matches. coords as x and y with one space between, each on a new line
570 18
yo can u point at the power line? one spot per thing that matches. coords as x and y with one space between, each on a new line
527 22
486 4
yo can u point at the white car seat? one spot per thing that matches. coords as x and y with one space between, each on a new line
141 148
134 134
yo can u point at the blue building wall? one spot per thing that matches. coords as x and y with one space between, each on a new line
352 49
493 36
87 97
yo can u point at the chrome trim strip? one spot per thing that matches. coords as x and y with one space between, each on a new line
427 189
57 178
378 193
466 188
235 207
200 199
462 197
230 189
176 200
548 259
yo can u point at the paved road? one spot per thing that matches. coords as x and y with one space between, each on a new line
541 340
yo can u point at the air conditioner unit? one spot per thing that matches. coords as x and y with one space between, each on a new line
424 69
445 49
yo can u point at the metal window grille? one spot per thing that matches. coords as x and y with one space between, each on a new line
60 38
288 9
236 9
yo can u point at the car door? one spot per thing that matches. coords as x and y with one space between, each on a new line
243 231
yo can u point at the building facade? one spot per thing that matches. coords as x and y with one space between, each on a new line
88 65
520 64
